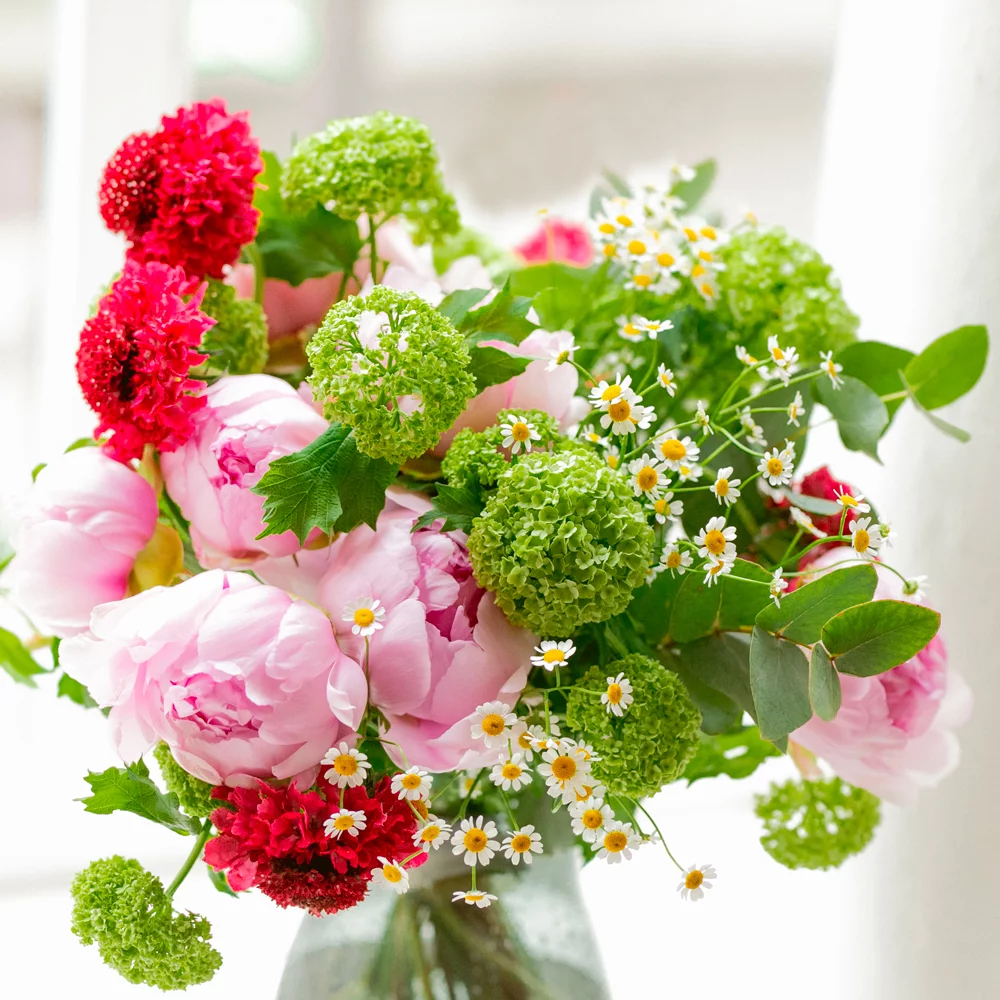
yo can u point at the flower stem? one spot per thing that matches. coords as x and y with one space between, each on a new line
638 805
199 845
257 259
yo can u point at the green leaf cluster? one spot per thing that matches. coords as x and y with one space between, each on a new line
194 795
237 343
738 752
17 661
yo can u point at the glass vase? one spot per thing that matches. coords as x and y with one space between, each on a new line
535 943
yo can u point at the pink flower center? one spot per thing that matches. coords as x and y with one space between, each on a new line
218 707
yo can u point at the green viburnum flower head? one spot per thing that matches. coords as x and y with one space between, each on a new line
817 824
774 284
393 368
124 910
561 543
195 795
379 165
651 744
238 341
479 456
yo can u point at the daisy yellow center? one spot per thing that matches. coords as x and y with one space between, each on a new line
636 247
554 656
684 470
562 357
693 879
524 740
563 768
624 220
705 255
861 540
665 381
831 367
612 392
660 506
697 271
346 765
722 487
613 461
707 290
364 617
615 841
715 542
717 569
609 250
673 449
592 819
643 280
673 560
430 833
584 793
392 873
631 330
665 260
510 771
775 467
647 477
344 823
520 431
690 234
614 694
607 228
411 781
777 353
474 897
521 843
620 411
708 232
475 840
847 500
493 724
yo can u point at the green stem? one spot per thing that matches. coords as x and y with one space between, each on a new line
642 808
199 846
373 250
257 259
510 812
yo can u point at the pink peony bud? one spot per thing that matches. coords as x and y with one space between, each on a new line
555 239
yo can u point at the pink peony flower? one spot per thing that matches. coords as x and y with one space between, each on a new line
83 522
555 239
445 647
239 679
246 423
894 732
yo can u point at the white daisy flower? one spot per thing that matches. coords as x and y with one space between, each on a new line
754 432
618 840
796 409
716 569
433 833
852 503
638 245
518 434
491 723
644 276
510 773
665 378
366 617
704 281
743 355
349 821
688 473
392 875
914 587
475 841
594 438
676 560
805 522
521 844
564 769
589 816
667 254
552 653
653 327
561 351
724 488
648 476
654 570
667 508
703 419
777 467
677 450
467 782
630 330
474 897
696 880
777 587
605 393
624 416
784 358
618 696
716 540
831 368
865 537
612 456
412 784
348 767
523 737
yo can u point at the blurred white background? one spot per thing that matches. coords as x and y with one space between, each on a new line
528 99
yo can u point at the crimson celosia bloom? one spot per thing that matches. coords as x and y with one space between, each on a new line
821 484
183 195
273 838
135 355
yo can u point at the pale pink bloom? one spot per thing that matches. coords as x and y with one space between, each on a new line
290 308
894 733
82 524
446 647
240 680
556 239
248 421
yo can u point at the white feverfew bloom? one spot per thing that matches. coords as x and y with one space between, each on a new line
349 821
851 503
411 784
644 276
648 476
805 522
675 559
688 473
392 875
777 587
716 569
696 880
605 393
796 409
665 379
618 696
726 490
366 617
348 767
667 508
915 587
784 358
677 450
612 456
703 419
565 769
562 350
830 367
625 416
754 432
777 467
653 327
589 816
552 653
524 737
617 841
475 841
433 833
474 897
629 329
491 723
594 438
510 773
865 537
521 844
518 434
716 540
654 570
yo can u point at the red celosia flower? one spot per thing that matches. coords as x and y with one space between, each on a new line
273 838
183 195
135 355
555 239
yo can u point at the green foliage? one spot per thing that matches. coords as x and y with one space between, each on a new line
329 485
123 909
824 684
949 367
69 687
194 795
805 611
942 425
779 680
130 789
878 366
490 365
561 543
457 305
716 671
693 191
455 506
861 416
504 317
16 660
379 165
416 355
651 744
737 752
872 638
237 344
817 824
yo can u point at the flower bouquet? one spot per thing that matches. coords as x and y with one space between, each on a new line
392 547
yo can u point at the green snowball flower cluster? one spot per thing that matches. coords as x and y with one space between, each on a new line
393 368
817 824
379 165
651 744
479 456
194 795
776 285
561 543
124 910
238 341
